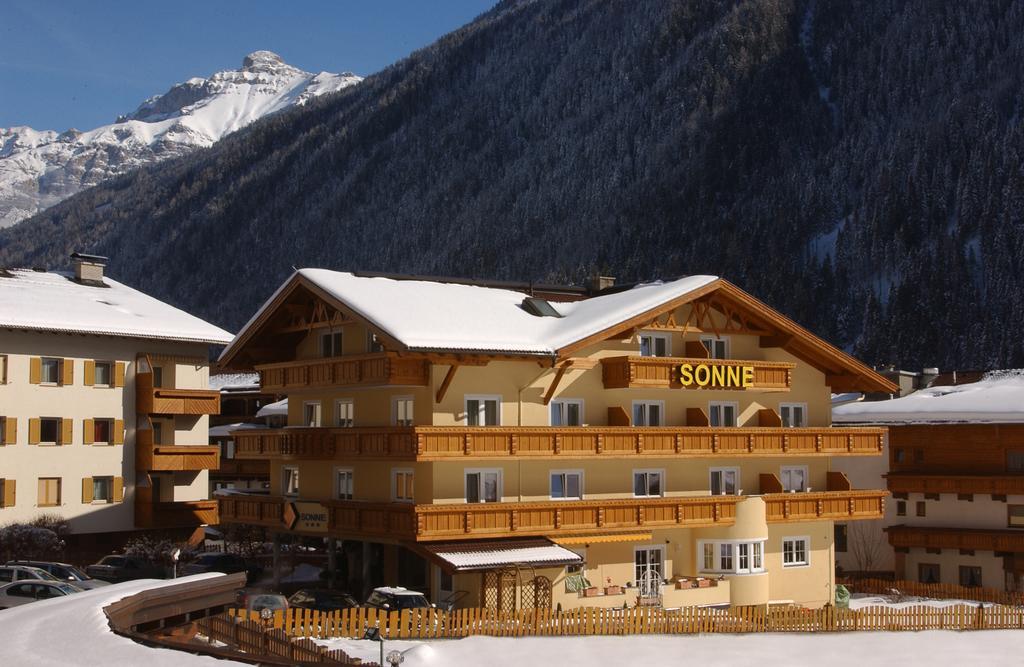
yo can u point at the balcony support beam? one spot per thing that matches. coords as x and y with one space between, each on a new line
443 389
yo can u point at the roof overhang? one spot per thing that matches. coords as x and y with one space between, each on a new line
478 556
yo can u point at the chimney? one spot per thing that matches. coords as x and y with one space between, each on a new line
928 376
598 282
88 268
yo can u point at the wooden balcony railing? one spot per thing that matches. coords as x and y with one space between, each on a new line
813 505
152 400
952 483
379 368
956 538
242 468
178 514
428 443
149 456
629 372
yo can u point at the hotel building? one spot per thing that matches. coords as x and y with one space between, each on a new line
666 443
103 406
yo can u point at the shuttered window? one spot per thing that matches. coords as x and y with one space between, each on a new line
7 492
48 492
402 485
8 430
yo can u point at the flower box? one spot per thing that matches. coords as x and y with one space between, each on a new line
591 592
703 583
683 584
613 590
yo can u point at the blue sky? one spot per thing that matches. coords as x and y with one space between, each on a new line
80 64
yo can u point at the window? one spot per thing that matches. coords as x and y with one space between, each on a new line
290 481
7 430
1015 461
841 537
330 344
103 374
344 413
725 481
49 431
483 486
928 573
48 492
655 345
648 413
402 485
158 433
311 413
567 412
102 431
102 489
227 449
901 508
3 369
921 507
794 478
898 455
158 376
50 371
1015 516
648 569
567 484
793 414
373 343
970 576
401 411
648 483
718 348
795 551
483 410
722 413
734 557
343 483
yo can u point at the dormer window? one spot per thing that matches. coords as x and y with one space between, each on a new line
655 345
539 307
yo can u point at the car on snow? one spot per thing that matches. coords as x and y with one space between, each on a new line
116 568
396 598
63 572
23 592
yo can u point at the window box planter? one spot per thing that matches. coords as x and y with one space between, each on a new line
684 584
591 592
613 590
703 583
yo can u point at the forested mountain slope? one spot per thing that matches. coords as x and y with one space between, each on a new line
856 164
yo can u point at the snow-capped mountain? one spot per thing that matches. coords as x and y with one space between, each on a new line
40 168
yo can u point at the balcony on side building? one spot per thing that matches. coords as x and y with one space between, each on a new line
375 369
151 400
150 456
974 539
176 514
695 373
899 482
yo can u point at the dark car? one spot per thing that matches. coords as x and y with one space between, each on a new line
64 572
115 568
396 598
321 600
217 562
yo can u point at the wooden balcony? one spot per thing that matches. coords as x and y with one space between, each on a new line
150 400
851 505
956 538
664 372
248 468
149 456
953 483
375 369
433 443
180 514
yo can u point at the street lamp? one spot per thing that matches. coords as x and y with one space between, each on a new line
395 657
175 555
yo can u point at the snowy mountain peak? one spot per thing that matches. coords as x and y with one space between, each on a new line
40 168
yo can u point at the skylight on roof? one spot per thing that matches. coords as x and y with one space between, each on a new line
539 307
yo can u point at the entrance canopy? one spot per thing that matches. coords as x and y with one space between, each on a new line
488 555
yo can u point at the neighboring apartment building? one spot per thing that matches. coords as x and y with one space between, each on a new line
475 439
103 405
955 467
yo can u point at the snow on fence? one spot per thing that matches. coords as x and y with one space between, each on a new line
435 624
938 591
253 638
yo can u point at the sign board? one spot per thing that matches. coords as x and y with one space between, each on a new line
716 376
305 517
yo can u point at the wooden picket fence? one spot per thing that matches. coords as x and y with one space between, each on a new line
435 624
937 591
253 638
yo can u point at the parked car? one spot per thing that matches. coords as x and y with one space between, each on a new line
23 592
393 598
259 600
115 568
226 563
11 573
63 572
321 600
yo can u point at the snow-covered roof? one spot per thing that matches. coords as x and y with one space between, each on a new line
997 397
846 397
53 301
224 430
476 556
235 381
275 409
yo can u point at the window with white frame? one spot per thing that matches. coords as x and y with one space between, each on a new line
290 481
344 413
311 413
402 484
731 556
723 413
795 551
343 483
793 414
717 347
794 478
648 413
567 484
483 485
483 410
725 481
567 412
103 374
401 411
330 344
648 483
655 345
649 569
50 370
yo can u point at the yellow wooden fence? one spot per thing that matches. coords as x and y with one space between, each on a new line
938 591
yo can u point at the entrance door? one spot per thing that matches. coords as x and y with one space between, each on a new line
649 570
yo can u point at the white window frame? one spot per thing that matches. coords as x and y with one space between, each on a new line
755 550
395 400
466 472
350 404
714 340
721 405
319 413
286 476
110 373
647 548
646 405
42 370
562 404
338 470
482 411
724 469
654 336
807 551
329 335
790 406
565 473
395 472
648 471
802 469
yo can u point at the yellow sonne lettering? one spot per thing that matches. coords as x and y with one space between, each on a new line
748 376
686 374
718 376
702 377
734 376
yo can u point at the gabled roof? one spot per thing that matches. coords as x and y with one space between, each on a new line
53 301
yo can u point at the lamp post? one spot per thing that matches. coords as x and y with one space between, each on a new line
175 555
395 658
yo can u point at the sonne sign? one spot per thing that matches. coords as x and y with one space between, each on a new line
724 377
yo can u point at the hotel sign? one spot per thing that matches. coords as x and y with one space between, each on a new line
716 376
305 517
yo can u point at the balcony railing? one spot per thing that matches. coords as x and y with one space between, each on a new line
152 400
956 538
428 443
350 371
991 484
849 505
149 456
178 514
629 372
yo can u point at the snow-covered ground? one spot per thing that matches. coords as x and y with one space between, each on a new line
866 601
